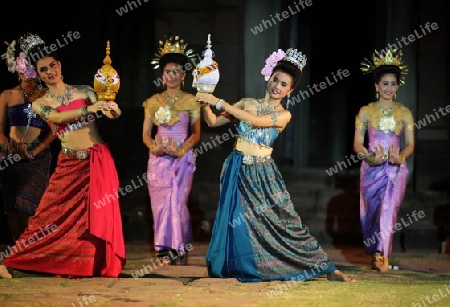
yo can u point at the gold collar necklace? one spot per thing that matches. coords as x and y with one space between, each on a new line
386 112
172 100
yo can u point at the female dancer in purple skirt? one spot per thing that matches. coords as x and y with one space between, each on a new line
384 173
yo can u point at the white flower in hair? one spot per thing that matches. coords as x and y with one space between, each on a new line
9 56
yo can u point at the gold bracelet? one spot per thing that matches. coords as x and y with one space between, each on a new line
181 152
84 111
370 159
152 149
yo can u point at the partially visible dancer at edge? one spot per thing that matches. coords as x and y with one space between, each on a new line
171 160
271 242
383 173
76 239
22 181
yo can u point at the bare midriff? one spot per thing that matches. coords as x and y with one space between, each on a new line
82 138
21 135
252 149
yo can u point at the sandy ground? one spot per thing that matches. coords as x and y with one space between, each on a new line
187 285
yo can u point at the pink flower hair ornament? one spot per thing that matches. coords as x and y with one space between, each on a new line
24 67
295 57
271 62
19 64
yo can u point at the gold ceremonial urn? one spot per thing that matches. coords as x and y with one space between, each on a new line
106 80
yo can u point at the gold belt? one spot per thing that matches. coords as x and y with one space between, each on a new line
80 154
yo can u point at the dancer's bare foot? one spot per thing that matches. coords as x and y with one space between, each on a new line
4 273
337 275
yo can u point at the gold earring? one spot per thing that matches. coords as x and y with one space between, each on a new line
182 83
377 95
395 96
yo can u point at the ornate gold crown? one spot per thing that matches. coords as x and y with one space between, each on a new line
381 58
296 58
171 44
29 42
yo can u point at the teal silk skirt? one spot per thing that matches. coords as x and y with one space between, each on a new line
257 234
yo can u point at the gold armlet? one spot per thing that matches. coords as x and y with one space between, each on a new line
44 111
194 115
360 125
152 149
410 127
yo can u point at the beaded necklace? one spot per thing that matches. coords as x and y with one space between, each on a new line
64 100
25 95
262 110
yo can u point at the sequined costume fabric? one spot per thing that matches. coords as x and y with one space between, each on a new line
257 234
20 114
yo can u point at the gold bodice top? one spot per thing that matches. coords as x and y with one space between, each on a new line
385 120
162 112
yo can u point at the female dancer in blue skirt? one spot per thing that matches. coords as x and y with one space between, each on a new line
257 234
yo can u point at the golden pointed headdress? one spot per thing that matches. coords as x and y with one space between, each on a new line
171 44
390 57
106 80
